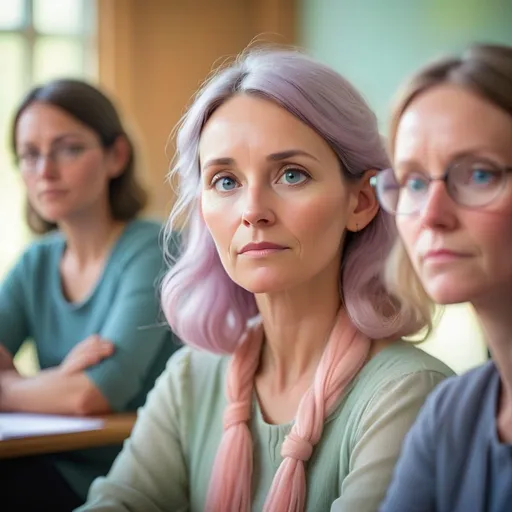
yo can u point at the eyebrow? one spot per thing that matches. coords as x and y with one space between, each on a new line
57 139
66 135
273 157
459 155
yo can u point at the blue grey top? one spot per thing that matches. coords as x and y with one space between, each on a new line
452 459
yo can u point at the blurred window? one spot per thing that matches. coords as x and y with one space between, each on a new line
39 40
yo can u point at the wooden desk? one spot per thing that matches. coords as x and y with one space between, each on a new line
116 429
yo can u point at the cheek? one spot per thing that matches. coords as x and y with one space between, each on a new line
220 219
91 171
29 182
318 221
408 231
492 234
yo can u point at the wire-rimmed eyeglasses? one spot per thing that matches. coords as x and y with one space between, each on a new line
470 182
29 160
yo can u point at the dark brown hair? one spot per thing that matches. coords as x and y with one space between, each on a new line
483 69
127 197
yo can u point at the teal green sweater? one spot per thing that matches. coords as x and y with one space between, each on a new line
166 464
123 307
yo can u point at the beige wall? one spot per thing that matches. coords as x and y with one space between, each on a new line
153 54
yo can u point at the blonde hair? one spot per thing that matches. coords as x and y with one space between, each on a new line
485 70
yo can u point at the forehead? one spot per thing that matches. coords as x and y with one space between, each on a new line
42 122
449 119
248 122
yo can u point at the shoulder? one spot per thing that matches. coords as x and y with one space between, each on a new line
147 237
139 246
49 243
406 357
141 233
396 380
397 362
461 396
195 375
41 253
199 367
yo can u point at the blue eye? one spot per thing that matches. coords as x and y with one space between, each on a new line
293 177
225 184
482 176
416 185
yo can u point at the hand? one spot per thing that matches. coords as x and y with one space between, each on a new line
87 353
6 360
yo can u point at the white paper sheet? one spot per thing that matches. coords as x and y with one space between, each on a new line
15 425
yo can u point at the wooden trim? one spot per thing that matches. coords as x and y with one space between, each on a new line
115 21
275 21
116 429
153 54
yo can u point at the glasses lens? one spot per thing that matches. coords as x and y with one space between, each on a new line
388 190
475 183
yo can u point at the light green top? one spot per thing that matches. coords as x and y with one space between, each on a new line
166 464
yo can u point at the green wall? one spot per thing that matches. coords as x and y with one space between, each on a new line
378 43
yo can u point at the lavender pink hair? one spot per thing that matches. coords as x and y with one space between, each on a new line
206 309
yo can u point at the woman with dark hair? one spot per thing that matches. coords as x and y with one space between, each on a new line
295 390
84 292
451 191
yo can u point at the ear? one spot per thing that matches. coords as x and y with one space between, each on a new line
118 156
365 203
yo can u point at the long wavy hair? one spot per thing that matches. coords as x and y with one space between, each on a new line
208 310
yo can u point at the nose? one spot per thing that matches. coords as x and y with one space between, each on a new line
46 167
439 209
257 210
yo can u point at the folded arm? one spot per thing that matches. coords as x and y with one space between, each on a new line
51 392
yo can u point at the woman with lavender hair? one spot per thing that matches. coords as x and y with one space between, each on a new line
295 390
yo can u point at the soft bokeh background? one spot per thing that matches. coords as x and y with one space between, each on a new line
151 55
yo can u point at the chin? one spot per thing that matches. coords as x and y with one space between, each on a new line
51 214
262 287
264 282
445 294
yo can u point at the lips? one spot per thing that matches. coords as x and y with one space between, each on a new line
261 246
443 255
51 192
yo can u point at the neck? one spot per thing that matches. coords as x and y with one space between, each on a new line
495 316
297 325
90 237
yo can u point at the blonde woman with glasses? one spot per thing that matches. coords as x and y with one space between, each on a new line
450 190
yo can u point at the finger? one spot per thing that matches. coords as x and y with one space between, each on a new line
4 351
107 348
94 356
85 361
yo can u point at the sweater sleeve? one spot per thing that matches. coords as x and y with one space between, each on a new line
388 418
150 474
14 324
132 325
